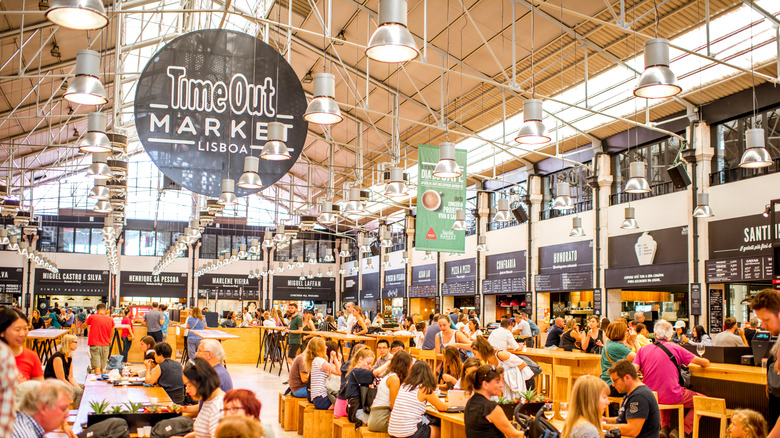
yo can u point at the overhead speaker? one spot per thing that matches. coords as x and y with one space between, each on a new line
520 214
679 176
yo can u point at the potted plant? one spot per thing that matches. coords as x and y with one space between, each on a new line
135 414
532 402
508 405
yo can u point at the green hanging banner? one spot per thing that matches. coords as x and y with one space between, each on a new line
437 201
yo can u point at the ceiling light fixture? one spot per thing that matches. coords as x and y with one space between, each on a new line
703 209
78 14
275 149
502 212
576 227
323 109
532 131
100 191
392 42
228 196
102 207
637 181
755 156
396 188
95 140
86 88
629 223
327 217
460 220
482 244
447 167
658 80
563 199
354 205
99 169
250 179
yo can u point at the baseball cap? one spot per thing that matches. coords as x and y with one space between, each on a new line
679 324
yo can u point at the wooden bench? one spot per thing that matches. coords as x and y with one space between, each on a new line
343 428
288 412
365 433
319 423
302 405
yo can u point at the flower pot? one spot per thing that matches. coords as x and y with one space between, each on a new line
531 408
509 410
134 421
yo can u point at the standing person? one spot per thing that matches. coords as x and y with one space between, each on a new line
659 372
202 384
359 327
731 336
100 327
13 331
588 402
293 339
516 371
246 318
639 415
483 417
127 334
166 321
341 323
59 366
387 391
80 319
154 320
766 305
195 321
351 319
501 338
594 339
8 380
554 335
212 352
408 417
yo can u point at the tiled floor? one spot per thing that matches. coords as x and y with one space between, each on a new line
265 385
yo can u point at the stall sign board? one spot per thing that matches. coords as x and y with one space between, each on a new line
395 284
144 284
642 276
566 257
229 287
424 275
292 288
716 311
504 285
565 281
597 301
739 269
511 264
459 288
71 282
748 236
695 298
11 280
425 291
350 292
460 270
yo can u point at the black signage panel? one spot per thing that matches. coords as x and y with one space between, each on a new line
426 291
316 289
203 103
660 247
424 275
144 284
459 288
716 311
565 281
460 270
71 282
350 292
395 284
235 287
597 301
695 299
739 269
747 236
567 257
370 286
11 280
511 264
652 275
506 285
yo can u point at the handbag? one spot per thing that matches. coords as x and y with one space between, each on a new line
367 396
110 428
535 427
683 373
178 426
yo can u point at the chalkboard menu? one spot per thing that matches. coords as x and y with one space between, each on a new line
291 288
11 280
395 284
509 286
144 284
369 289
71 282
739 269
350 292
425 291
695 299
565 281
459 288
716 311
438 304
597 301
424 275
230 287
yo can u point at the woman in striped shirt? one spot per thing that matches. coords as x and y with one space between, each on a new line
320 367
408 418
202 384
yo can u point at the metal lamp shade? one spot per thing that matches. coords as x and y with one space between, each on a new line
275 149
328 218
78 14
86 88
447 167
100 191
637 182
755 156
392 43
658 80
482 243
576 228
323 109
99 169
250 179
703 209
563 201
396 187
354 205
3 236
102 207
503 214
460 221
228 196
532 131
95 139
629 223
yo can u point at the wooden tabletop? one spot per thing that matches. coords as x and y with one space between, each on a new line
46 333
730 372
338 336
454 417
95 390
390 335
121 326
212 334
556 354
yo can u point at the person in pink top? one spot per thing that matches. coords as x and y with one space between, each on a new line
127 335
660 373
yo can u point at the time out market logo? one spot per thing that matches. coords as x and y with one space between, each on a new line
204 101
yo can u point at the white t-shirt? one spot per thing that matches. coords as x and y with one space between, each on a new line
502 339
351 321
524 329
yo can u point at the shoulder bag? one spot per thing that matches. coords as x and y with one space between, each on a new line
683 373
535 427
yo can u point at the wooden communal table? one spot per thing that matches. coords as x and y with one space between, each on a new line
44 342
390 337
581 364
743 387
95 390
452 424
212 334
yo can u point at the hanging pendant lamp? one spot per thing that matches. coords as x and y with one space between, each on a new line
275 149
323 109
482 244
99 169
563 199
502 212
756 156
658 80
396 188
354 205
637 181
629 223
576 228
327 217
532 131
391 41
86 88
102 207
703 209
228 196
78 14
268 240
447 167
460 220
3 236
95 139
250 179
100 191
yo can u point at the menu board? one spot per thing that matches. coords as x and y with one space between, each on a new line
369 289
350 292
230 287
509 286
565 281
695 299
395 284
511 264
425 291
424 275
459 288
144 284
11 280
739 269
597 301
649 275
71 282
716 311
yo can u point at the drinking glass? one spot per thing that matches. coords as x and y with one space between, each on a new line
548 411
700 349
563 409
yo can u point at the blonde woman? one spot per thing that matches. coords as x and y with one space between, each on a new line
746 423
194 322
588 403
59 366
360 327
320 367
571 338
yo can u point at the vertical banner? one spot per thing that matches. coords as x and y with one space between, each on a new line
437 201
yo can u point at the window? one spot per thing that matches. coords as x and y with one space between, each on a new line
147 243
311 250
48 239
65 241
325 248
82 240
132 242
658 157
579 190
223 246
297 250
97 246
163 242
728 139
208 247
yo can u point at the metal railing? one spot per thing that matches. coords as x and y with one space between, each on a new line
655 190
738 173
579 207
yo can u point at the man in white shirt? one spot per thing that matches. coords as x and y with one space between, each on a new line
246 318
351 320
502 339
731 336
522 327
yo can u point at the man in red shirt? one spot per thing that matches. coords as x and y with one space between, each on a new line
100 327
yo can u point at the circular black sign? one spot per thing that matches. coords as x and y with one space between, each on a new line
203 103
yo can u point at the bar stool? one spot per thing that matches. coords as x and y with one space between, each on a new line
670 407
710 407
545 379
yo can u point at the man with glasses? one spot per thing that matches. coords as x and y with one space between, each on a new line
212 352
44 410
383 354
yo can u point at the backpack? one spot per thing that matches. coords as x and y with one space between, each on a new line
532 365
178 426
535 427
110 428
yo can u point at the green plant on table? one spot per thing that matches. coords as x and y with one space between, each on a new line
134 408
529 396
117 410
153 409
507 400
99 407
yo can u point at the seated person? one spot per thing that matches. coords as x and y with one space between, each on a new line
230 321
396 346
383 354
166 372
147 347
211 350
298 377
731 336
639 415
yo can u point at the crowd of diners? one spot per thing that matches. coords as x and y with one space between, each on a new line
35 400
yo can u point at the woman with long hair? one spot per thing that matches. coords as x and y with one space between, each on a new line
451 368
571 338
469 366
408 417
201 383
59 366
483 417
588 403
593 339
746 423
474 330
616 348
387 391
319 368
358 374
36 322
194 322
13 331
699 336
449 336
516 371
360 327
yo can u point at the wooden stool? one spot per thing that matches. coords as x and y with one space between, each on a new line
564 372
302 405
288 412
281 408
545 379
710 407
680 408
343 428
365 433
319 423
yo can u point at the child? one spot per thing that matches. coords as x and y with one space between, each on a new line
746 423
